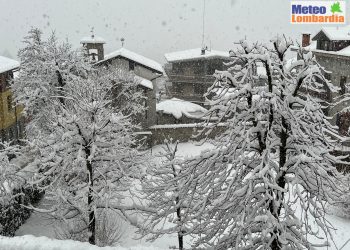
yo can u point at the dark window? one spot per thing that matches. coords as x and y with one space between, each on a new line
11 134
337 121
9 103
2 82
325 45
342 85
131 65
2 135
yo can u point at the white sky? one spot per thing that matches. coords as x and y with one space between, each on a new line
150 27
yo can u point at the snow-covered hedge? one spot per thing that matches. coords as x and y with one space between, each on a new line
29 242
13 214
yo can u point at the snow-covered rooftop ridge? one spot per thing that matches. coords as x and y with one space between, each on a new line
92 39
178 108
194 54
29 242
337 33
136 58
144 82
7 64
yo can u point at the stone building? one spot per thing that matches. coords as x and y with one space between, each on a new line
147 72
11 120
190 72
331 47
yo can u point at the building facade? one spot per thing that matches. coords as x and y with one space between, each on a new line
331 47
146 73
11 119
190 72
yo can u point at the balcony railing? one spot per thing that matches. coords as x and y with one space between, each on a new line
191 79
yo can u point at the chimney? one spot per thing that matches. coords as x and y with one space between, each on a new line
203 51
305 39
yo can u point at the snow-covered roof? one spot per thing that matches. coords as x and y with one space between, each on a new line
337 33
144 82
178 108
136 58
92 39
7 64
194 54
344 52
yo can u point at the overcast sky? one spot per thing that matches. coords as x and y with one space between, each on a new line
150 27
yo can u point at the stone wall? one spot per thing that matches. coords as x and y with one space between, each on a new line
163 118
181 133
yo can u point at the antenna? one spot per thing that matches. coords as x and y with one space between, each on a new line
203 23
92 32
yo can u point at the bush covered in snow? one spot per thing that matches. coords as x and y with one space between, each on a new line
13 214
13 192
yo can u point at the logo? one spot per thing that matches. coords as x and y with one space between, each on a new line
318 12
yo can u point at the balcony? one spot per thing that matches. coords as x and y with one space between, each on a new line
191 78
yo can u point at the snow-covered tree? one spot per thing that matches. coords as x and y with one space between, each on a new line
266 184
82 139
46 65
166 206
89 157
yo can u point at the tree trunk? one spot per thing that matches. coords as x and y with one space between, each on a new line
91 210
180 236
281 182
181 241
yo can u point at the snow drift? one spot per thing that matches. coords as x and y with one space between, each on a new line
29 242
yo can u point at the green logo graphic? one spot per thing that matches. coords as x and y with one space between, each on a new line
335 8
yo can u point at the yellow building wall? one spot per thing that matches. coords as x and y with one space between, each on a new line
8 117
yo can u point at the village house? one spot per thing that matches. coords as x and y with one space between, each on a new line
190 72
331 47
11 120
146 71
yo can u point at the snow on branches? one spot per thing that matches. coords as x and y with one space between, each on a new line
81 136
162 194
273 170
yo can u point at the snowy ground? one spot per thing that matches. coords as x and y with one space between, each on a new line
29 242
41 225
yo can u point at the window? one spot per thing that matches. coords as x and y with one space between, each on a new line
9 103
131 65
2 136
342 85
11 134
325 45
